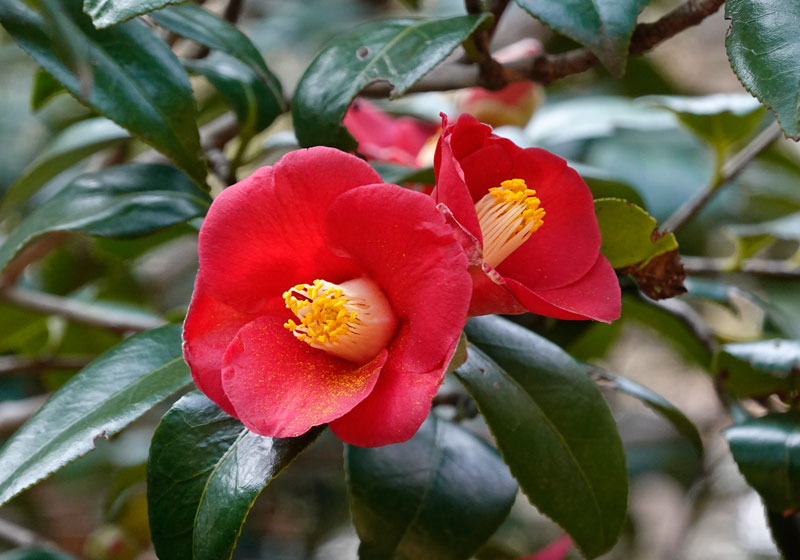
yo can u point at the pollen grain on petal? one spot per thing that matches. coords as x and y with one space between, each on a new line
352 320
508 216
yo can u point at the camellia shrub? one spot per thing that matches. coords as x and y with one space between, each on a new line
417 258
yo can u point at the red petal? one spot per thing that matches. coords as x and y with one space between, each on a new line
486 168
566 246
208 330
403 243
556 550
264 234
595 296
281 387
398 405
451 189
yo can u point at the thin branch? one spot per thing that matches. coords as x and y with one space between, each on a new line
759 267
732 168
11 365
547 68
20 536
233 10
80 311
14 414
491 73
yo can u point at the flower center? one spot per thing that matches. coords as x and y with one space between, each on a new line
352 320
508 215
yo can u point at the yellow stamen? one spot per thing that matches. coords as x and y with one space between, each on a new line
508 215
352 320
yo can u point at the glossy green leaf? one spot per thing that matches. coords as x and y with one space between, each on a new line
721 119
437 496
400 174
123 201
767 451
44 89
605 185
763 50
399 51
605 28
252 101
630 236
105 13
65 150
659 404
204 473
193 22
126 73
553 428
107 395
759 368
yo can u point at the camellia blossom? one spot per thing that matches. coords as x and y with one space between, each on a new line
325 296
382 137
528 225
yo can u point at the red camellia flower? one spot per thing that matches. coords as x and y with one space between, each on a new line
325 296
528 225
382 137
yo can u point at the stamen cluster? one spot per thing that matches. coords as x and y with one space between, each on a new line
325 313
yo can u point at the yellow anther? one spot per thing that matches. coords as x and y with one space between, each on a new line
352 320
508 215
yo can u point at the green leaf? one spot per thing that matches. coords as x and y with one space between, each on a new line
65 150
105 13
785 528
721 119
399 51
553 428
659 404
122 201
193 22
34 554
418 499
605 28
767 450
107 395
44 89
400 174
604 185
127 73
750 369
630 235
204 473
763 50
252 101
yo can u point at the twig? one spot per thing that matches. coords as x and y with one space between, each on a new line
734 166
80 311
10 365
547 68
490 71
13 414
760 267
233 10
20 536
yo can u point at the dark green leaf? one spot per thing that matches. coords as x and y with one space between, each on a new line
123 201
721 119
630 236
105 13
44 89
195 23
785 527
767 450
605 28
252 101
438 496
400 175
65 150
604 185
759 368
763 49
126 73
34 554
662 406
553 428
399 51
204 473
107 395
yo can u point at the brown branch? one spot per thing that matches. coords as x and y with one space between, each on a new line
759 267
14 414
11 365
22 537
547 68
83 312
490 72
233 10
